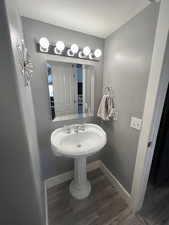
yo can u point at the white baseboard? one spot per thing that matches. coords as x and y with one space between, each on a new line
61 178
124 193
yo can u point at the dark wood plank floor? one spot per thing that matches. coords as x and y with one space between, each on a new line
156 206
105 206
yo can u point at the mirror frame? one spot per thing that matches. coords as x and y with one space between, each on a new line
51 58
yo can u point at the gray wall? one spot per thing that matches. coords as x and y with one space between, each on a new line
20 188
34 30
127 59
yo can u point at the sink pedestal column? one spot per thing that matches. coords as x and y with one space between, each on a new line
80 187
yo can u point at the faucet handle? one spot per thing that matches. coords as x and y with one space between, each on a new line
82 127
67 129
76 128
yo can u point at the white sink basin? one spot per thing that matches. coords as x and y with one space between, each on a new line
78 141
83 143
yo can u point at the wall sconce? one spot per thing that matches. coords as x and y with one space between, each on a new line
59 48
44 44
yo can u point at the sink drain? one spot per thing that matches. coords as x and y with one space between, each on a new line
79 145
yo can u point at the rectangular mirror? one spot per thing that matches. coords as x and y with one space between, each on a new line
71 90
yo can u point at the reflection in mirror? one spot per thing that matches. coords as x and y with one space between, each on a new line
71 90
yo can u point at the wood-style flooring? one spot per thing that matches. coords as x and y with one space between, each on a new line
104 206
156 206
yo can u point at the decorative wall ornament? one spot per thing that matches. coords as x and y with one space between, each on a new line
24 60
28 67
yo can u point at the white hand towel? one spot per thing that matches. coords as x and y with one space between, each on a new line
106 107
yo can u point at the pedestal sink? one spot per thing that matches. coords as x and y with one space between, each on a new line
78 141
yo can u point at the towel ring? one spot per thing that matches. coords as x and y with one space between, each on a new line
108 90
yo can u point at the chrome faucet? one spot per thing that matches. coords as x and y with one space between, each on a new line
79 127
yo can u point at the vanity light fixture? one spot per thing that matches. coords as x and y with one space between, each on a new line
44 44
60 46
86 51
97 53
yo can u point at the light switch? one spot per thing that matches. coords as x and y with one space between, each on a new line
136 123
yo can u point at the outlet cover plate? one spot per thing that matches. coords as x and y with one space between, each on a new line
136 123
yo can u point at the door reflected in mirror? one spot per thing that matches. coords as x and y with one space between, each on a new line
71 90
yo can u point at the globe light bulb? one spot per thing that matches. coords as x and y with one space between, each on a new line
44 43
97 53
91 56
70 53
74 48
80 54
86 51
60 45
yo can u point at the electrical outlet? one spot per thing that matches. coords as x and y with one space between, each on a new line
136 123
